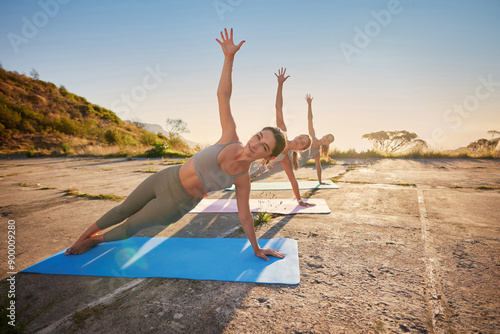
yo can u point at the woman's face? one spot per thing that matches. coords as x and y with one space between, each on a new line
326 139
261 145
301 142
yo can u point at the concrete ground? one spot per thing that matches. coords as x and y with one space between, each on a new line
411 246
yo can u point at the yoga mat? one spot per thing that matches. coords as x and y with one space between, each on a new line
220 259
281 206
262 186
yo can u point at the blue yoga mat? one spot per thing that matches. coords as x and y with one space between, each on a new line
219 259
263 186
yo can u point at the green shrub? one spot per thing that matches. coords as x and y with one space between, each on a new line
128 140
30 151
106 114
64 92
148 138
177 143
87 110
5 134
66 147
159 150
9 116
261 218
26 126
67 126
113 137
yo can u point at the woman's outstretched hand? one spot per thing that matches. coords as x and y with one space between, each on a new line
281 75
309 99
227 44
263 252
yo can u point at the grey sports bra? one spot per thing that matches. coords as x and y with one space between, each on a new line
208 170
309 154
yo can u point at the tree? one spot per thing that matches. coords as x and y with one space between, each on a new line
176 126
482 145
420 145
393 141
493 133
34 74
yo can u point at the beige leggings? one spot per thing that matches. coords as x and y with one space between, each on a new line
159 200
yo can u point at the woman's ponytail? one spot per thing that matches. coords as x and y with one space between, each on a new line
324 149
295 159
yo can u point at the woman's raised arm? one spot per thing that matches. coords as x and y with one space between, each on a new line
280 122
309 100
226 86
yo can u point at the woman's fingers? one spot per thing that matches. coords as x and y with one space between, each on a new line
274 253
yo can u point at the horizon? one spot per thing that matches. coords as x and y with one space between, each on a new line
425 67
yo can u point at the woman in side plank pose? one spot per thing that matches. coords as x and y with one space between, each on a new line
319 148
163 198
289 159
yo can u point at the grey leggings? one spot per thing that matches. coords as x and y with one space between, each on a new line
159 200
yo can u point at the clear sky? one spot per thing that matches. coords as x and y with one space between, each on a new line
426 66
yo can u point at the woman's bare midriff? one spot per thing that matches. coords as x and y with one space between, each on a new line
190 180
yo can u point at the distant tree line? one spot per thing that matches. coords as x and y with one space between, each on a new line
403 141
395 141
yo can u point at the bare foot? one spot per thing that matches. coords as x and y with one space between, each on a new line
82 246
91 232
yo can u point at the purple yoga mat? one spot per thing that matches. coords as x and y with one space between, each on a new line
281 206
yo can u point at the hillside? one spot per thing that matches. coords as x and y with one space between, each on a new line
39 118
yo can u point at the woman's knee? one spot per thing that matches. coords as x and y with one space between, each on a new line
121 211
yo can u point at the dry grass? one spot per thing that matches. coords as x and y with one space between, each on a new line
416 154
74 192
150 170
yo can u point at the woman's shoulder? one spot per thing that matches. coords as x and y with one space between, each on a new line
316 143
227 139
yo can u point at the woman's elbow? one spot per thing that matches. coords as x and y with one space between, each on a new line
223 96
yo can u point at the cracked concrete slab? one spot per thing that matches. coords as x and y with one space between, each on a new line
364 267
